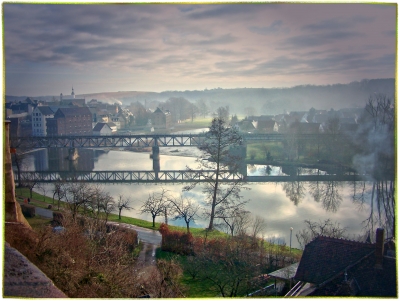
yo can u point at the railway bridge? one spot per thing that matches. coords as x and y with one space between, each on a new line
155 141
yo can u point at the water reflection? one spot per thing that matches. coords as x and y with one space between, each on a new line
380 198
283 205
327 193
295 191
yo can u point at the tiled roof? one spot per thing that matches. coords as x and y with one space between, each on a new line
266 124
99 126
326 257
45 110
75 111
158 110
367 280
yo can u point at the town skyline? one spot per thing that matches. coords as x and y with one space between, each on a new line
131 47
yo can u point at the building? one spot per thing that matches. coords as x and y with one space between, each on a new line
340 267
20 125
39 116
71 100
266 126
70 121
161 120
102 129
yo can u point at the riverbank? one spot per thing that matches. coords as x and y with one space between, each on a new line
42 201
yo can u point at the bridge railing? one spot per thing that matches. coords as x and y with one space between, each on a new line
170 140
169 176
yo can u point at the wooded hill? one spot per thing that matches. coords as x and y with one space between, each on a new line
261 100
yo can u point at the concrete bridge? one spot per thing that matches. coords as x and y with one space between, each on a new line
169 176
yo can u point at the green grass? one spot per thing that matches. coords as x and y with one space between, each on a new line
258 149
44 201
194 288
37 222
197 232
199 122
23 193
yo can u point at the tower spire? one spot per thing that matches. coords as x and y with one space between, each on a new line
73 93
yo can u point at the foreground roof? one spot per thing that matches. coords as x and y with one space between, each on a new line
325 257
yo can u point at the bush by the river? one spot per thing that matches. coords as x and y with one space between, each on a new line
28 210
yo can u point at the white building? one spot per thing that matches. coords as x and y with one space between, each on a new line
39 116
102 129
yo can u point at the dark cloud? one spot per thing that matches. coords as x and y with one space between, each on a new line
319 39
274 28
390 33
242 42
337 23
229 11
216 40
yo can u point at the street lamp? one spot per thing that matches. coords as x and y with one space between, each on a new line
291 230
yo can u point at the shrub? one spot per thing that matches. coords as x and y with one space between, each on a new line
58 218
176 241
28 210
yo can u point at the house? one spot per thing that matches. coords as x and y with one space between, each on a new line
71 100
161 120
339 267
261 117
245 126
20 125
39 116
305 128
113 127
266 126
70 121
102 129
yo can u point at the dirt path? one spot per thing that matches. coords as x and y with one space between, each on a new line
151 240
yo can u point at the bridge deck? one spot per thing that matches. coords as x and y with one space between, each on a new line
169 176
170 140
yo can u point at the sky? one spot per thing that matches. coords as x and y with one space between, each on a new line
50 48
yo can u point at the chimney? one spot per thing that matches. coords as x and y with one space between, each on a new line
380 233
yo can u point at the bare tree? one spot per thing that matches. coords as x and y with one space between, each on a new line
186 209
29 181
58 191
202 107
217 155
223 113
123 203
259 224
108 205
314 229
155 205
78 195
236 221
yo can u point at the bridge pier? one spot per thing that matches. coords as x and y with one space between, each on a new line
240 151
156 158
73 154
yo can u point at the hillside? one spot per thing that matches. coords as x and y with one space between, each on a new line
261 100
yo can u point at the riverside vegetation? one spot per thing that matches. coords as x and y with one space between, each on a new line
101 264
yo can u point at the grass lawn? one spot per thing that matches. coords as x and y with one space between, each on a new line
37 222
43 201
194 288
197 123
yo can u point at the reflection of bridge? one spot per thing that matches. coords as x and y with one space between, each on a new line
167 140
168 176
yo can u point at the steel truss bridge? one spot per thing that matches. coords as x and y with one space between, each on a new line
168 140
167 177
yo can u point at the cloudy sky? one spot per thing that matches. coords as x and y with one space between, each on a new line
148 47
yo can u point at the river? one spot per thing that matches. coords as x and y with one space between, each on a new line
282 205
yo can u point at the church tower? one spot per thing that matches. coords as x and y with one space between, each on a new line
73 93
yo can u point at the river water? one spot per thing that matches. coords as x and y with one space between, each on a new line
282 205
